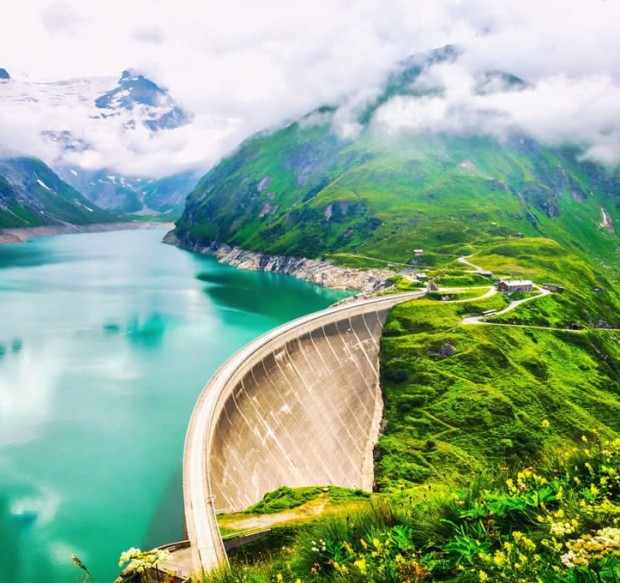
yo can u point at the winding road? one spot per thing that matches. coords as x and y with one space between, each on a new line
207 548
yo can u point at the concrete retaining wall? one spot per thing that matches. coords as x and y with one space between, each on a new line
299 406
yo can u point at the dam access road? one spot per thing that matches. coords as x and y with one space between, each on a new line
298 406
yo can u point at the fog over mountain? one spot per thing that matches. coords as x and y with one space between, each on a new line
241 66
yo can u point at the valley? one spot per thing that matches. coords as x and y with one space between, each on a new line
392 263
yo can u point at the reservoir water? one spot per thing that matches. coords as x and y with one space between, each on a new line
106 341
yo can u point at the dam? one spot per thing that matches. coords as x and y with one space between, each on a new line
299 406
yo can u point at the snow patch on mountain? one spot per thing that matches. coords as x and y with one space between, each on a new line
129 125
44 185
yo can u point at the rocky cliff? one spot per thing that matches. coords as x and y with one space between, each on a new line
312 270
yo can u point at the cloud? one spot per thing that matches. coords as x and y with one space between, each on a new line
61 17
149 34
554 110
246 65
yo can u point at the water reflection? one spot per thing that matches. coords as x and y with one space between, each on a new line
168 524
28 379
23 510
9 539
258 292
140 331
12 347
106 341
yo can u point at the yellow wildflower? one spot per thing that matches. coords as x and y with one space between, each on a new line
360 564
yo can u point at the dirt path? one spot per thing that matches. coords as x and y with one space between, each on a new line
464 261
446 290
265 520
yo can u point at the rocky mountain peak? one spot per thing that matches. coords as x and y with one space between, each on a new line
135 92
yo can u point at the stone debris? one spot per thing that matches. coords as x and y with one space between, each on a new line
317 271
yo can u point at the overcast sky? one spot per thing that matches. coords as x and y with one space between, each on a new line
243 65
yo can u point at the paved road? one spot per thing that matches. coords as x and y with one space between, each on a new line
377 260
510 307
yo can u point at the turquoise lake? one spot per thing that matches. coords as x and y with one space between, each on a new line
106 341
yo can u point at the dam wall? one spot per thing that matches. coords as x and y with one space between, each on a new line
299 406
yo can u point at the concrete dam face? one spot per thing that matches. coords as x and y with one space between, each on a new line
300 406
307 413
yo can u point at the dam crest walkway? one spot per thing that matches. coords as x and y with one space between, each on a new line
301 405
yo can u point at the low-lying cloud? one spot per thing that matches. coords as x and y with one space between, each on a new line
246 65
554 110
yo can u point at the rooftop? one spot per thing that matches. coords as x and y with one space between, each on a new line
516 282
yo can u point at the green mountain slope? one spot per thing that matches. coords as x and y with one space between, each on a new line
301 190
31 194
463 398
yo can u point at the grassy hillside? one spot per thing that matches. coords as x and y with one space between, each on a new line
302 190
555 523
499 462
464 398
499 454
479 419
31 194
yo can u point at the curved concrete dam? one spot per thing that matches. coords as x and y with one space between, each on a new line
299 406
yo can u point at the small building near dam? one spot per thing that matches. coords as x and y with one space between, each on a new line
516 285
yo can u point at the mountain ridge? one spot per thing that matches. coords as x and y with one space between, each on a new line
82 110
304 190
32 195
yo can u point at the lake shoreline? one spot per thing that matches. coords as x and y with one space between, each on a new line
317 271
22 234
106 341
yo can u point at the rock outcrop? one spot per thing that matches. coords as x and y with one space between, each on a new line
316 271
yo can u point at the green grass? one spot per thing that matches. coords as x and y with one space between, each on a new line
482 460
556 522
545 261
366 202
285 498
459 398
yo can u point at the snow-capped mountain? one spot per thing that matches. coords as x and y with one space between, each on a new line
146 101
82 127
